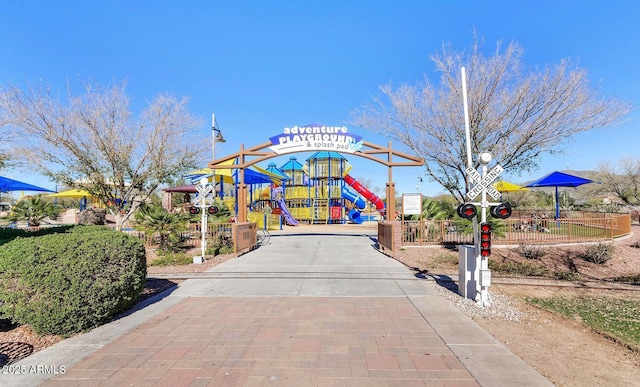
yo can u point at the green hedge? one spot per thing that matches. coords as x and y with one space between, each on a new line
69 283
8 234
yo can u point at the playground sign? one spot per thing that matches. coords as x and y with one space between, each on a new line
412 204
482 183
315 138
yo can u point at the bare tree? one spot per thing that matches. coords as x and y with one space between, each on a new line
623 182
516 114
92 142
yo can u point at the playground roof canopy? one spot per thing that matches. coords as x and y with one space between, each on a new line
559 179
7 185
71 193
183 188
253 177
230 176
274 169
505 186
325 155
292 165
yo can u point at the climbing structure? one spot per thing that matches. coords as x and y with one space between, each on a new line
321 191
325 173
296 190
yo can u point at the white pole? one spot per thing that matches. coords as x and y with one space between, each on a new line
467 131
474 222
485 159
203 228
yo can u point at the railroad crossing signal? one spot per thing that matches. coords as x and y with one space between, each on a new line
483 183
467 211
485 239
501 211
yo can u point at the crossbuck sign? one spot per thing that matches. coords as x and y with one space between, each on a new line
204 198
483 183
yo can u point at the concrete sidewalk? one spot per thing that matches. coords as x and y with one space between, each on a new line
304 310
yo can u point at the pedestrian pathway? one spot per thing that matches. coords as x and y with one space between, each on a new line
305 310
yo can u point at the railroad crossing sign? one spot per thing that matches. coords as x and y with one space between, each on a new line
204 198
483 183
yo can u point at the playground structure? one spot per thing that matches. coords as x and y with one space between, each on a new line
324 185
322 191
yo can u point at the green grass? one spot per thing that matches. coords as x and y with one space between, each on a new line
608 315
577 230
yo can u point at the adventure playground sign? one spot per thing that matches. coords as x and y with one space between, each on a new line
315 138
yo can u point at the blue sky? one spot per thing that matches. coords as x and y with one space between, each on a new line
261 66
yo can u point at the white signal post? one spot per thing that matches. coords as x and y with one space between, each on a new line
204 200
485 274
475 277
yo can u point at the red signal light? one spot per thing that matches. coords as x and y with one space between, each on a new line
467 211
194 210
485 239
501 211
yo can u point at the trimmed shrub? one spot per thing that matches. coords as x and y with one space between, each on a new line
599 253
531 251
8 234
69 283
221 243
172 259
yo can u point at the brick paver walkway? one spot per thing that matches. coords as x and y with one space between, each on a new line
283 341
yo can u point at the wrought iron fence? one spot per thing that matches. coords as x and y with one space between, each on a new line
518 230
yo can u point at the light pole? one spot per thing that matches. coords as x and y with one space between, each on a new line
216 136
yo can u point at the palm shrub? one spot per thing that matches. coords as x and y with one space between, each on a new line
465 226
431 210
71 282
33 210
155 221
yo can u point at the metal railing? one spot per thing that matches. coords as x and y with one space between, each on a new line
518 231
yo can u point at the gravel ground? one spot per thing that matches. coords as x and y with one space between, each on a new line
433 261
500 305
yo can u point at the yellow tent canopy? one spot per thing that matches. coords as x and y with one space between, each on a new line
228 173
72 193
505 186
225 173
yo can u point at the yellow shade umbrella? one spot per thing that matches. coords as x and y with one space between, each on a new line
227 174
505 186
72 193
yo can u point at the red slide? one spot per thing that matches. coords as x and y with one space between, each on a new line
370 196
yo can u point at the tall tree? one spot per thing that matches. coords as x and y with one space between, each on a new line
92 141
623 182
515 113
